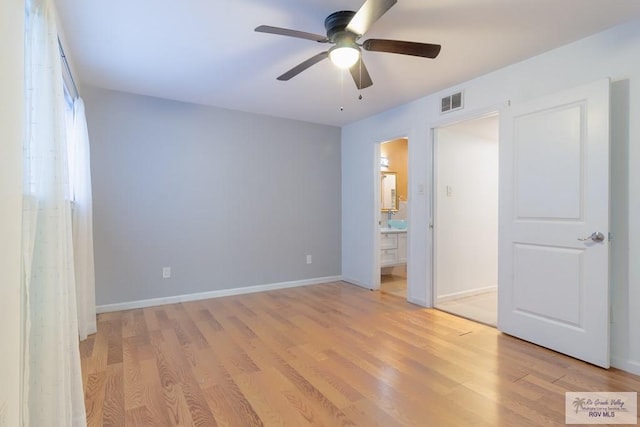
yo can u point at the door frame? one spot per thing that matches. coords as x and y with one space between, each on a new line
434 193
458 117
378 214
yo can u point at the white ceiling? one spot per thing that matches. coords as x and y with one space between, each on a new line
206 52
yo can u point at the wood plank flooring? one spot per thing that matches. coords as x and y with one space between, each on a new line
323 355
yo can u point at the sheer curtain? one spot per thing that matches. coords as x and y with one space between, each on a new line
52 383
80 185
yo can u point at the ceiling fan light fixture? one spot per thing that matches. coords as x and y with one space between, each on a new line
344 57
344 30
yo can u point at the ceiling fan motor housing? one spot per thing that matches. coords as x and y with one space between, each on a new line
336 25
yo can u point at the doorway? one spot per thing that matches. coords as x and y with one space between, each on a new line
394 208
465 206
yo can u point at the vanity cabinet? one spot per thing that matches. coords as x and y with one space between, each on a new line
393 248
402 248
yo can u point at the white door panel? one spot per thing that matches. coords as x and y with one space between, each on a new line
548 168
554 190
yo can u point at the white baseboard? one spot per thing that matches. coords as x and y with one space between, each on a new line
356 282
212 294
417 301
626 365
472 292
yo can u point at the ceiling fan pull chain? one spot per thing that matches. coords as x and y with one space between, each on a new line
360 84
341 90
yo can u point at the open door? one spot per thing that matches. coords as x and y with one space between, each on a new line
554 222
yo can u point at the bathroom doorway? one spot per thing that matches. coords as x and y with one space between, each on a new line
465 228
394 208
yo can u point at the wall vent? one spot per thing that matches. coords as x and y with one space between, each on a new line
451 103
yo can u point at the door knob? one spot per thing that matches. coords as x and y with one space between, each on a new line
596 236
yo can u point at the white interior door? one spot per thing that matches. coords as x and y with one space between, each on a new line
554 194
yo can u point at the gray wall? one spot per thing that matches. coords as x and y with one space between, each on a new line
226 199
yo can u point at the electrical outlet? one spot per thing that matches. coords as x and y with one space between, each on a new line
166 272
309 259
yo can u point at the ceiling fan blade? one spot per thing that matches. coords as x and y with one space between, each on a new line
360 74
424 50
369 13
303 66
291 33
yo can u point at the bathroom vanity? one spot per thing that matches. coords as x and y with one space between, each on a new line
393 247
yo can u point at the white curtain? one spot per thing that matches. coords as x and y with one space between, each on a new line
52 383
80 184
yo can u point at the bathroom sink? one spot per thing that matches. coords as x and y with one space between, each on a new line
399 224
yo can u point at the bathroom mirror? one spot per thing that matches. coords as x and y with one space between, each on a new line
388 191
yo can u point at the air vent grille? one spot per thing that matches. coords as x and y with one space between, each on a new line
451 103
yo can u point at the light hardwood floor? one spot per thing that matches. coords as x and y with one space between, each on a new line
331 354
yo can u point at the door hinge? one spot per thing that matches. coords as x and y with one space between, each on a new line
610 236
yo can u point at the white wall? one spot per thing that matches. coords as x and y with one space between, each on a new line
613 54
11 131
360 173
227 199
466 220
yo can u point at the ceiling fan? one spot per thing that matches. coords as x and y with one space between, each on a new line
344 29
